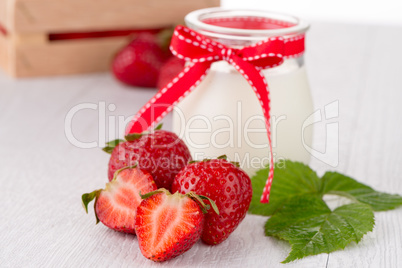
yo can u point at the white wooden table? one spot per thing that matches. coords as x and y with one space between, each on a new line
42 175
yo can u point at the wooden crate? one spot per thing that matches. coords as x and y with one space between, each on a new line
25 48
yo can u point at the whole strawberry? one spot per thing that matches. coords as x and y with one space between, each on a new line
116 205
139 63
170 70
227 185
168 225
161 153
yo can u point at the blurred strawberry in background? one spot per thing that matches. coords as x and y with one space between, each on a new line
146 61
139 63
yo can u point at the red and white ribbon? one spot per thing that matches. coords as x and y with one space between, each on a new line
200 52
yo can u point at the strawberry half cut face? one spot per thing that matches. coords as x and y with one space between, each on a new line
168 225
116 205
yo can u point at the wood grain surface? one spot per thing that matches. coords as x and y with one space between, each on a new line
85 15
42 174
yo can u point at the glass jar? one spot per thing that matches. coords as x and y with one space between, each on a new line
223 115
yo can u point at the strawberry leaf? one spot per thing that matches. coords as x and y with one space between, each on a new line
312 228
159 127
338 184
291 179
133 136
111 145
87 198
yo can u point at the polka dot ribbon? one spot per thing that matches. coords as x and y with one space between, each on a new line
200 52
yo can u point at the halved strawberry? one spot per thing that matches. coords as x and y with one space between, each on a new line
168 225
116 205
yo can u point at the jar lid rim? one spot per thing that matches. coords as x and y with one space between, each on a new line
194 20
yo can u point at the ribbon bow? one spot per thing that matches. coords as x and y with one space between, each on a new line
200 52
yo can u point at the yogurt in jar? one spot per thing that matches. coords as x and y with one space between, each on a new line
223 115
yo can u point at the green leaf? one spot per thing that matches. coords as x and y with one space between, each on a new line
306 211
114 142
133 136
291 179
87 198
111 145
300 216
312 228
108 149
338 184
159 127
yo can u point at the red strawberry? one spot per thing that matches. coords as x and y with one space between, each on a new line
138 63
161 153
227 185
168 225
116 205
169 71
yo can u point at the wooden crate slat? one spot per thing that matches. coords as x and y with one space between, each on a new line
6 54
67 57
27 52
56 16
28 39
4 13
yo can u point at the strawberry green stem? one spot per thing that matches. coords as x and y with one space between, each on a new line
116 173
197 198
159 191
200 198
